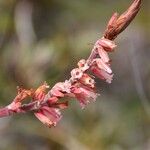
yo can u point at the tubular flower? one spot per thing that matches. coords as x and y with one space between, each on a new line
84 94
101 74
101 65
49 115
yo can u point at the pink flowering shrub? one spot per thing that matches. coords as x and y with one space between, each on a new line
47 106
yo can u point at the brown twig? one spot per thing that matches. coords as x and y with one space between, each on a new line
117 24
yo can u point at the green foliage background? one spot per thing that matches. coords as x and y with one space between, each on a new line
42 40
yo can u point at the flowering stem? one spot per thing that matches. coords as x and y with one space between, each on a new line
80 85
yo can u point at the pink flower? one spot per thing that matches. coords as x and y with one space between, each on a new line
48 116
84 94
101 65
102 74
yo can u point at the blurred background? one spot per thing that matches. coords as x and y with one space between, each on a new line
42 40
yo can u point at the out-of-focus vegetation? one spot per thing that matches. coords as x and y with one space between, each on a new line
41 40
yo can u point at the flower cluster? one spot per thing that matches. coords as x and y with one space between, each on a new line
81 85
